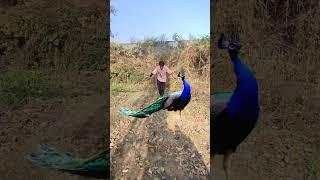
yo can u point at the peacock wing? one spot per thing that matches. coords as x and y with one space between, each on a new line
171 98
218 103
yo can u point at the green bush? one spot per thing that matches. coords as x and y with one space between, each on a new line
118 87
17 85
127 74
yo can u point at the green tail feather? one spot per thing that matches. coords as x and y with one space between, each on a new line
49 157
156 106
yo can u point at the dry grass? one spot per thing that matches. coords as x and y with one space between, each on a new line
280 44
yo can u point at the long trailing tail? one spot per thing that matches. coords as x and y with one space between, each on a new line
49 157
156 106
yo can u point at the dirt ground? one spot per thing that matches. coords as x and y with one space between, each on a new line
77 125
161 146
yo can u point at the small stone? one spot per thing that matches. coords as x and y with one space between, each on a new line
179 149
286 159
15 139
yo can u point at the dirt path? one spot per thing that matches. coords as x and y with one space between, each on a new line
156 147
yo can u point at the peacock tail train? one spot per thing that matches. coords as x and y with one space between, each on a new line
49 157
156 106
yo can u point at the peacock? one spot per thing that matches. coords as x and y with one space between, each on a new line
233 114
176 101
49 157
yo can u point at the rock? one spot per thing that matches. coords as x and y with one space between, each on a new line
286 159
2 133
160 140
179 149
15 139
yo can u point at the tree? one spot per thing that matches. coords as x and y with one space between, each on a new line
112 12
175 37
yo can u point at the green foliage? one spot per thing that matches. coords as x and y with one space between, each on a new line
176 37
312 167
127 74
118 87
113 10
149 42
202 43
17 85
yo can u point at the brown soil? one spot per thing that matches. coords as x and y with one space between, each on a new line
76 125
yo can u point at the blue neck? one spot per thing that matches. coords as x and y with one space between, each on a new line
186 93
246 81
245 101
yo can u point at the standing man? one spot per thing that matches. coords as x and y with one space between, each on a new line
161 71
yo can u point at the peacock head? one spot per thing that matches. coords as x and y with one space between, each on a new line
231 45
181 75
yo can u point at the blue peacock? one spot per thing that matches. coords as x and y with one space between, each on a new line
176 101
233 114
49 157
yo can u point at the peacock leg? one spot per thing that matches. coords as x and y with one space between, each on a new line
211 166
226 162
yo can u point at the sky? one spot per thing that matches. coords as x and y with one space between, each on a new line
145 18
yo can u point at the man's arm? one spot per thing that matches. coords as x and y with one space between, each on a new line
153 72
169 71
